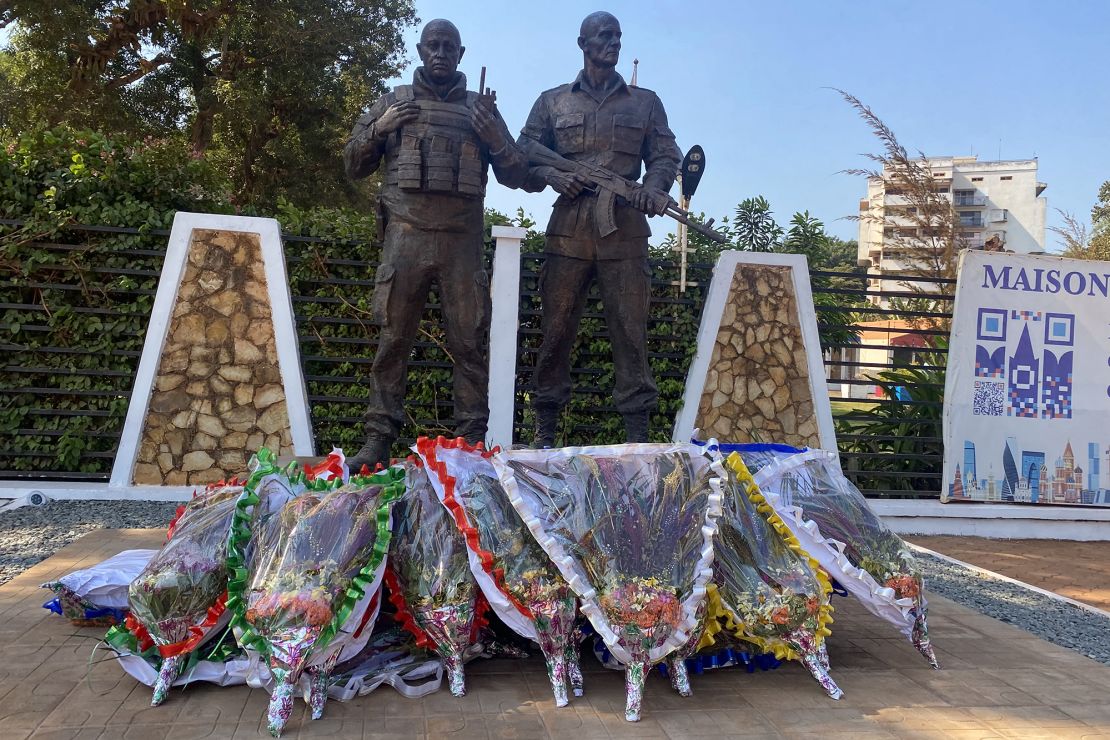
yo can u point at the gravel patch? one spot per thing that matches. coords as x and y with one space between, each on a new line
31 534
1057 622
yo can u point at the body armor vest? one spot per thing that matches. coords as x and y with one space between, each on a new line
440 151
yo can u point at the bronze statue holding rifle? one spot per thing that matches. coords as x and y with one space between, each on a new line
435 141
589 141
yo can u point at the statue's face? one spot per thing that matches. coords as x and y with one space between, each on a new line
440 52
601 42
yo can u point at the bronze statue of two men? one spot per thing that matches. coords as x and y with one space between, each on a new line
437 140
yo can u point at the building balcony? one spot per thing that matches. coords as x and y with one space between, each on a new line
897 200
972 223
969 201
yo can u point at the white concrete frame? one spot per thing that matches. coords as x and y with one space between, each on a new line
714 310
1004 521
504 321
169 283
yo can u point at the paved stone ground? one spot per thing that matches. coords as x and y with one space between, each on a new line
997 681
1078 570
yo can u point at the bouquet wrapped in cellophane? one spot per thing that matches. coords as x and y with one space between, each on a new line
522 585
307 580
631 529
775 595
97 596
429 577
834 523
178 600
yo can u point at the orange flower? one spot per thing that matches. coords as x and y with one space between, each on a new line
905 586
812 605
780 615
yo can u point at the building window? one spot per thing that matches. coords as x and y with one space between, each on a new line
970 218
977 179
1007 177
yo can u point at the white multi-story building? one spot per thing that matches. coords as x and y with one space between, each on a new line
998 203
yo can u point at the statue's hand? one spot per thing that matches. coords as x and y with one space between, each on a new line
396 116
651 201
570 184
487 126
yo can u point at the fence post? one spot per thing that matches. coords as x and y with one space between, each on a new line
505 292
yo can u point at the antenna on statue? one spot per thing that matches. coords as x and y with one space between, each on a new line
635 69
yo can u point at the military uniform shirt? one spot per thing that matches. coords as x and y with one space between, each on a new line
621 128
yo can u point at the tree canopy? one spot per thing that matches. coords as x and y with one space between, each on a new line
266 90
1082 242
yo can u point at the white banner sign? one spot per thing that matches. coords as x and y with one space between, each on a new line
1027 395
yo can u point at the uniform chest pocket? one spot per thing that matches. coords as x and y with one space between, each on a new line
570 133
628 133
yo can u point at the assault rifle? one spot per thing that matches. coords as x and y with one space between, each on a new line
609 185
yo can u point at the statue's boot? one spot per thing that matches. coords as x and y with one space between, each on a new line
547 421
374 451
636 427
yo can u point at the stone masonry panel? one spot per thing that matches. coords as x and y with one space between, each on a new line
757 388
218 394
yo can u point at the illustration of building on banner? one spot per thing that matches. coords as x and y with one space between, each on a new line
1009 467
1033 472
1092 469
1067 481
969 462
1032 481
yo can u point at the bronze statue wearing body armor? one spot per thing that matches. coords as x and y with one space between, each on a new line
436 140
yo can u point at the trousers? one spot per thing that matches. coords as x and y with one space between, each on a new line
413 260
625 286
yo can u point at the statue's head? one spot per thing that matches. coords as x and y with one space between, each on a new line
440 49
599 38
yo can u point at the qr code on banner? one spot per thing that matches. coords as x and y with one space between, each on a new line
989 398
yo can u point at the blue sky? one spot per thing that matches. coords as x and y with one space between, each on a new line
749 82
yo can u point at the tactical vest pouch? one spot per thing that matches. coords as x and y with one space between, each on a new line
408 163
471 169
440 165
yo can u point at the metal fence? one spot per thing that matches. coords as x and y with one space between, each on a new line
74 392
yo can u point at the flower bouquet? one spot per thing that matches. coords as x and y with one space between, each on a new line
835 525
97 596
429 576
776 596
522 585
307 592
178 600
631 528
